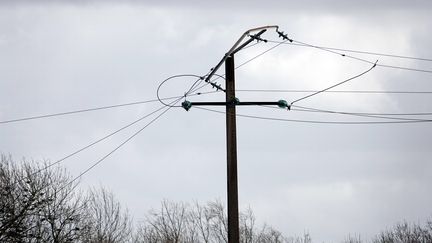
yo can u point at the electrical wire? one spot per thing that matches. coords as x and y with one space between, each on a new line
308 109
95 142
74 112
379 116
333 91
317 121
201 80
185 95
119 146
260 54
94 109
299 43
359 52
197 83
335 85
243 63
333 50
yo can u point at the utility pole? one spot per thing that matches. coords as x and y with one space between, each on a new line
230 103
231 138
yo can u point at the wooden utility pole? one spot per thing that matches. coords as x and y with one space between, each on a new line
231 131
231 138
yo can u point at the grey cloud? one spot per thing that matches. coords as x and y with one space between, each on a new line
326 5
295 176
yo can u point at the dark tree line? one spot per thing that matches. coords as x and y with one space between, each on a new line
180 222
46 205
401 233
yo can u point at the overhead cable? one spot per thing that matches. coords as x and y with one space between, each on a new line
318 121
379 116
95 109
299 43
94 143
334 91
358 52
118 147
335 85
309 109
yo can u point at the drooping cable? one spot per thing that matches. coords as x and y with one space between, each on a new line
334 91
330 50
119 146
94 109
368 115
335 85
317 121
309 109
95 142
188 93
97 108
357 51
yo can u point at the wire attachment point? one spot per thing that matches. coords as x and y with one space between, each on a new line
215 85
234 102
283 104
257 38
186 105
284 36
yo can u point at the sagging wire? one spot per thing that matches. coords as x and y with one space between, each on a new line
318 121
335 85
119 146
336 51
191 89
369 115
94 143
387 116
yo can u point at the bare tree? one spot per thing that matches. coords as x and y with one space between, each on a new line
406 233
105 220
37 205
170 225
40 204
179 222
352 239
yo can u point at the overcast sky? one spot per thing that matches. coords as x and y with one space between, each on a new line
330 180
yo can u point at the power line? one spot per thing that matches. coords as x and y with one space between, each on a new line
199 81
388 116
245 62
379 116
118 147
95 142
335 85
260 54
93 109
333 50
334 91
404 68
360 52
299 43
319 122
191 89
308 109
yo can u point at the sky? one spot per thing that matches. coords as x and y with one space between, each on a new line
330 180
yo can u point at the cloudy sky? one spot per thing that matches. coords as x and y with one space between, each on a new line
328 179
